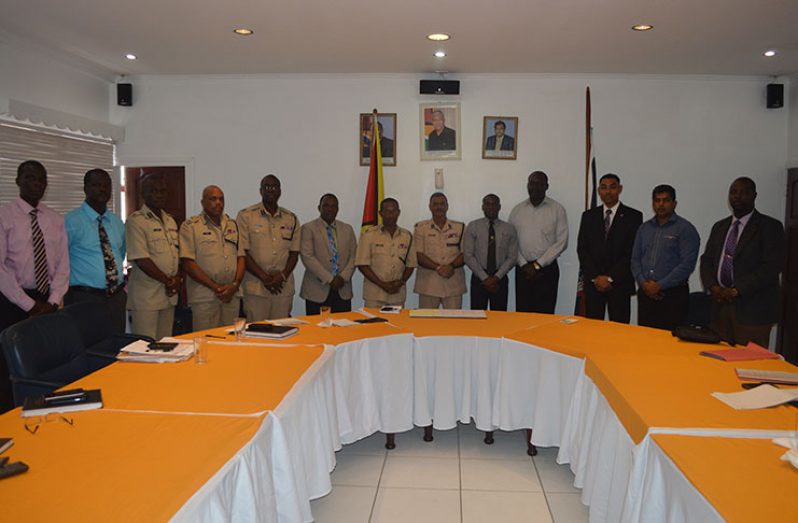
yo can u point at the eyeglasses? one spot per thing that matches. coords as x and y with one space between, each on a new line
32 424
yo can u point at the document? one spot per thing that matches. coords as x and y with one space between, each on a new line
449 313
774 376
760 397
751 352
140 351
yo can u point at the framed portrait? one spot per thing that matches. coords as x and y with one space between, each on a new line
499 137
440 131
387 127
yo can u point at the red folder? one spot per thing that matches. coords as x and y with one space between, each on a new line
751 352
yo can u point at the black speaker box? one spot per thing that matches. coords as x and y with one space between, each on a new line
124 94
439 87
775 96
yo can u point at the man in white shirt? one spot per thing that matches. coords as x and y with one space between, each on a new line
542 229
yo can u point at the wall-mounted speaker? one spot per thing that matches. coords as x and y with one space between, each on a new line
124 94
439 87
775 96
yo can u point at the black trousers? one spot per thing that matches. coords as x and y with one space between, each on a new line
616 302
482 299
667 313
334 301
115 304
540 294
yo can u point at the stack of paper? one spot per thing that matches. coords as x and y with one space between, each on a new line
343 322
449 313
760 397
770 376
140 351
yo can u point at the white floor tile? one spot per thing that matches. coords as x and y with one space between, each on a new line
411 443
344 505
373 445
357 470
468 428
555 478
399 505
504 507
414 472
506 445
504 475
567 508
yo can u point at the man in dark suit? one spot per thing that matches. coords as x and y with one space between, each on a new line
606 236
506 142
740 268
386 144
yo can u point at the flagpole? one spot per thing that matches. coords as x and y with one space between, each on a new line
587 147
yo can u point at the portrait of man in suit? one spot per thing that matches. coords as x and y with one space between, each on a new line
501 132
386 123
440 131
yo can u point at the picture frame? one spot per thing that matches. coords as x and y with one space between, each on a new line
501 129
439 132
387 138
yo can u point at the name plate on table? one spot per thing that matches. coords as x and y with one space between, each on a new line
462 314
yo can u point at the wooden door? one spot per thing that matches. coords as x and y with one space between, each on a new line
788 326
175 178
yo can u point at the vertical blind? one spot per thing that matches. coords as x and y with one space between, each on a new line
66 158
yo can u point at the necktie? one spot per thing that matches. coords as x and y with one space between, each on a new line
111 279
727 265
491 249
39 256
607 221
333 249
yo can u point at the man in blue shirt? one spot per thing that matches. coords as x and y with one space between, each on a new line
663 257
96 239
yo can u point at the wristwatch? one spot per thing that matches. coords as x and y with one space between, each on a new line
536 265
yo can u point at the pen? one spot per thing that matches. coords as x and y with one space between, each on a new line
214 336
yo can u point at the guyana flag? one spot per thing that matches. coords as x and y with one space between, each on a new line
375 188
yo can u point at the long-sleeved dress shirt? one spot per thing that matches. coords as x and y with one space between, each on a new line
542 231
86 262
17 257
475 247
665 253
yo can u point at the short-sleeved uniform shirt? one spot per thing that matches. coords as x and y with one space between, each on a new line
147 236
442 245
214 248
268 239
388 256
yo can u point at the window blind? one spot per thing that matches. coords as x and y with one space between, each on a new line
66 158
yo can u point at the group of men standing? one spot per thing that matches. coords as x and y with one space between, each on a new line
46 259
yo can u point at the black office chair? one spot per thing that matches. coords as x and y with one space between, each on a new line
43 353
94 325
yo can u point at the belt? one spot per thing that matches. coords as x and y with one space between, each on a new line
95 290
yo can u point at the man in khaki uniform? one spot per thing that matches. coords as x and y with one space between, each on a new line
155 277
386 256
439 246
270 235
328 253
211 254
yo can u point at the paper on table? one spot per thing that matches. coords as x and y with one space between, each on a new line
790 378
287 322
760 397
343 322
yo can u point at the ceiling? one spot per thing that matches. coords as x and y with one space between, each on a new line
360 36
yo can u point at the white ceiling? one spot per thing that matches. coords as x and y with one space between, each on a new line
371 36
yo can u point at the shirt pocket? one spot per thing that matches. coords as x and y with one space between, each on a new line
287 232
158 245
207 246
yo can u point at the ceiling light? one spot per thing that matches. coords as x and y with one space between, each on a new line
440 54
130 56
241 31
438 37
642 27
770 53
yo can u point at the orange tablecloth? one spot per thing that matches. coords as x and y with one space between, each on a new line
237 379
113 466
742 478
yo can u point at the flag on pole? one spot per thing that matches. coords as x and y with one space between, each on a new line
590 193
375 189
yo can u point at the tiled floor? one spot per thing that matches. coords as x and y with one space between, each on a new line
456 478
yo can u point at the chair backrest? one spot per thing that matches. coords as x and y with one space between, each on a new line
699 309
92 320
47 347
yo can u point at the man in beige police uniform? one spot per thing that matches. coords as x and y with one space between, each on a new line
270 235
328 253
212 256
386 256
155 277
439 246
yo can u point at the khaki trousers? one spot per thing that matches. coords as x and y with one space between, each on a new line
260 308
212 314
433 302
155 324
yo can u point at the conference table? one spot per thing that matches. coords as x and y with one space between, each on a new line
251 435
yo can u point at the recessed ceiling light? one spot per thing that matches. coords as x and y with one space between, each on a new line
438 37
130 56
642 27
440 54
770 53
241 31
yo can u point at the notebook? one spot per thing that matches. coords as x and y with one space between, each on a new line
751 352
73 400
269 331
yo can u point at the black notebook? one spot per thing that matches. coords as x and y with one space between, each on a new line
268 330
65 401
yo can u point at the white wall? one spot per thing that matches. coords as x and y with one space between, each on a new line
696 133
792 105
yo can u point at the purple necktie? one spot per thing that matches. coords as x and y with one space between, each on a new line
727 265
607 222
